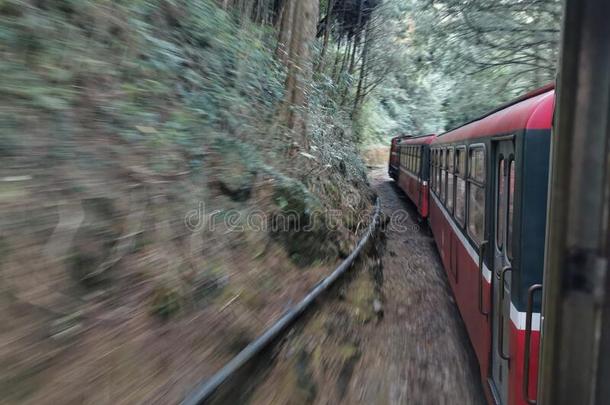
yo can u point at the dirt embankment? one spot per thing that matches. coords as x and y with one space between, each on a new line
152 207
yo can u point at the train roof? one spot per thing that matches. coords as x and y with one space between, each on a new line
401 136
418 139
533 110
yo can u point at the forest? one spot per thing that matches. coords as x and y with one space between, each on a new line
137 137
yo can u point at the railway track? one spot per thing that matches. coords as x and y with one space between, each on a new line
208 389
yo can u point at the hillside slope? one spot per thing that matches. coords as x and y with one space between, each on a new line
156 213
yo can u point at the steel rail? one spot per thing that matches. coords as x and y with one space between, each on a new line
208 387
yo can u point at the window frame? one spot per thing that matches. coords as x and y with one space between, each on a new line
436 164
510 206
450 179
431 180
463 151
483 185
432 168
414 159
411 164
500 214
410 158
439 170
443 169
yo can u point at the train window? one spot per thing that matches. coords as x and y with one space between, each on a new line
446 176
460 200
414 160
460 185
411 159
461 161
431 164
477 164
432 173
439 169
438 172
476 193
500 205
511 199
450 179
476 212
432 168
443 173
450 161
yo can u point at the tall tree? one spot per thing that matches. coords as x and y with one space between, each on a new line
297 31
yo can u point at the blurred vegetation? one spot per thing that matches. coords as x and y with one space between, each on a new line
123 120
450 61
126 114
137 139
155 72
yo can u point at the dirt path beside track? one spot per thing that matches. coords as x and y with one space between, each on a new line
418 353
390 335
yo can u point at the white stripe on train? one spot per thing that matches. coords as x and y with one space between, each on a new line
517 317
409 174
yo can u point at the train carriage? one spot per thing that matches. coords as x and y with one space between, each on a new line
488 183
394 161
488 216
413 176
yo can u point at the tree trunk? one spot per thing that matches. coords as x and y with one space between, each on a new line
285 30
329 10
352 61
356 38
345 58
365 48
348 57
303 30
337 57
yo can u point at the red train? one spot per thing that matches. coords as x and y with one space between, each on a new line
483 188
413 169
394 161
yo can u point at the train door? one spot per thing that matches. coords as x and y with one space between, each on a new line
418 158
501 276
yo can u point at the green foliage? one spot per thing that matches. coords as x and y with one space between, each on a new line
440 64
374 122
487 51
176 67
